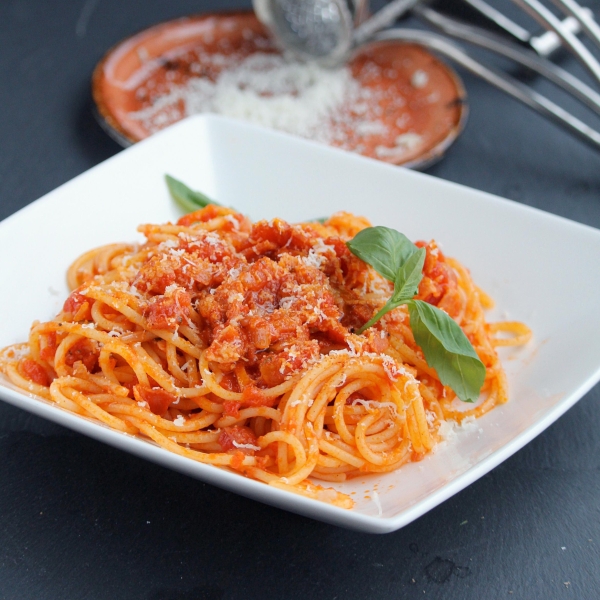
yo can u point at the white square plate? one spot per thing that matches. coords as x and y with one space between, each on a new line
541 269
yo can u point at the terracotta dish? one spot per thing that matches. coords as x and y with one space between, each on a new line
395 101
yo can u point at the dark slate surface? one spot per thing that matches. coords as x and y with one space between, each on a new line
82 520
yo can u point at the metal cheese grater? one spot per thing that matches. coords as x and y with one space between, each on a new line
328 31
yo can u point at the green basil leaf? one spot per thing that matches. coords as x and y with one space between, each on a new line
187 198
409 276
447 349
385 249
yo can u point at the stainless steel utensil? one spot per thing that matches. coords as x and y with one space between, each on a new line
329 30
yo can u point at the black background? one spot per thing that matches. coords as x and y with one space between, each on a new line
83 520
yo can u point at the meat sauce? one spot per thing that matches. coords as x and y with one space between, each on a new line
265 299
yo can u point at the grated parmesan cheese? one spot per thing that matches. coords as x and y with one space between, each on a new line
450 429
163 246
313 259
391 368
235 297
430 417
246 446
320 247
267 89
377 503
419 79
407 142
18 353
375 404
171 289
231 219
213 239
287 302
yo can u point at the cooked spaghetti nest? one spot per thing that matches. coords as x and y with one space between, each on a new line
232 344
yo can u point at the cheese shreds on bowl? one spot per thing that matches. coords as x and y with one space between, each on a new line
391 101
267 89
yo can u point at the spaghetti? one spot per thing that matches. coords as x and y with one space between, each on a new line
232 344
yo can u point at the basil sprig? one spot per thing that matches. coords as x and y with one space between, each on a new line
443 342
395 257
187 198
